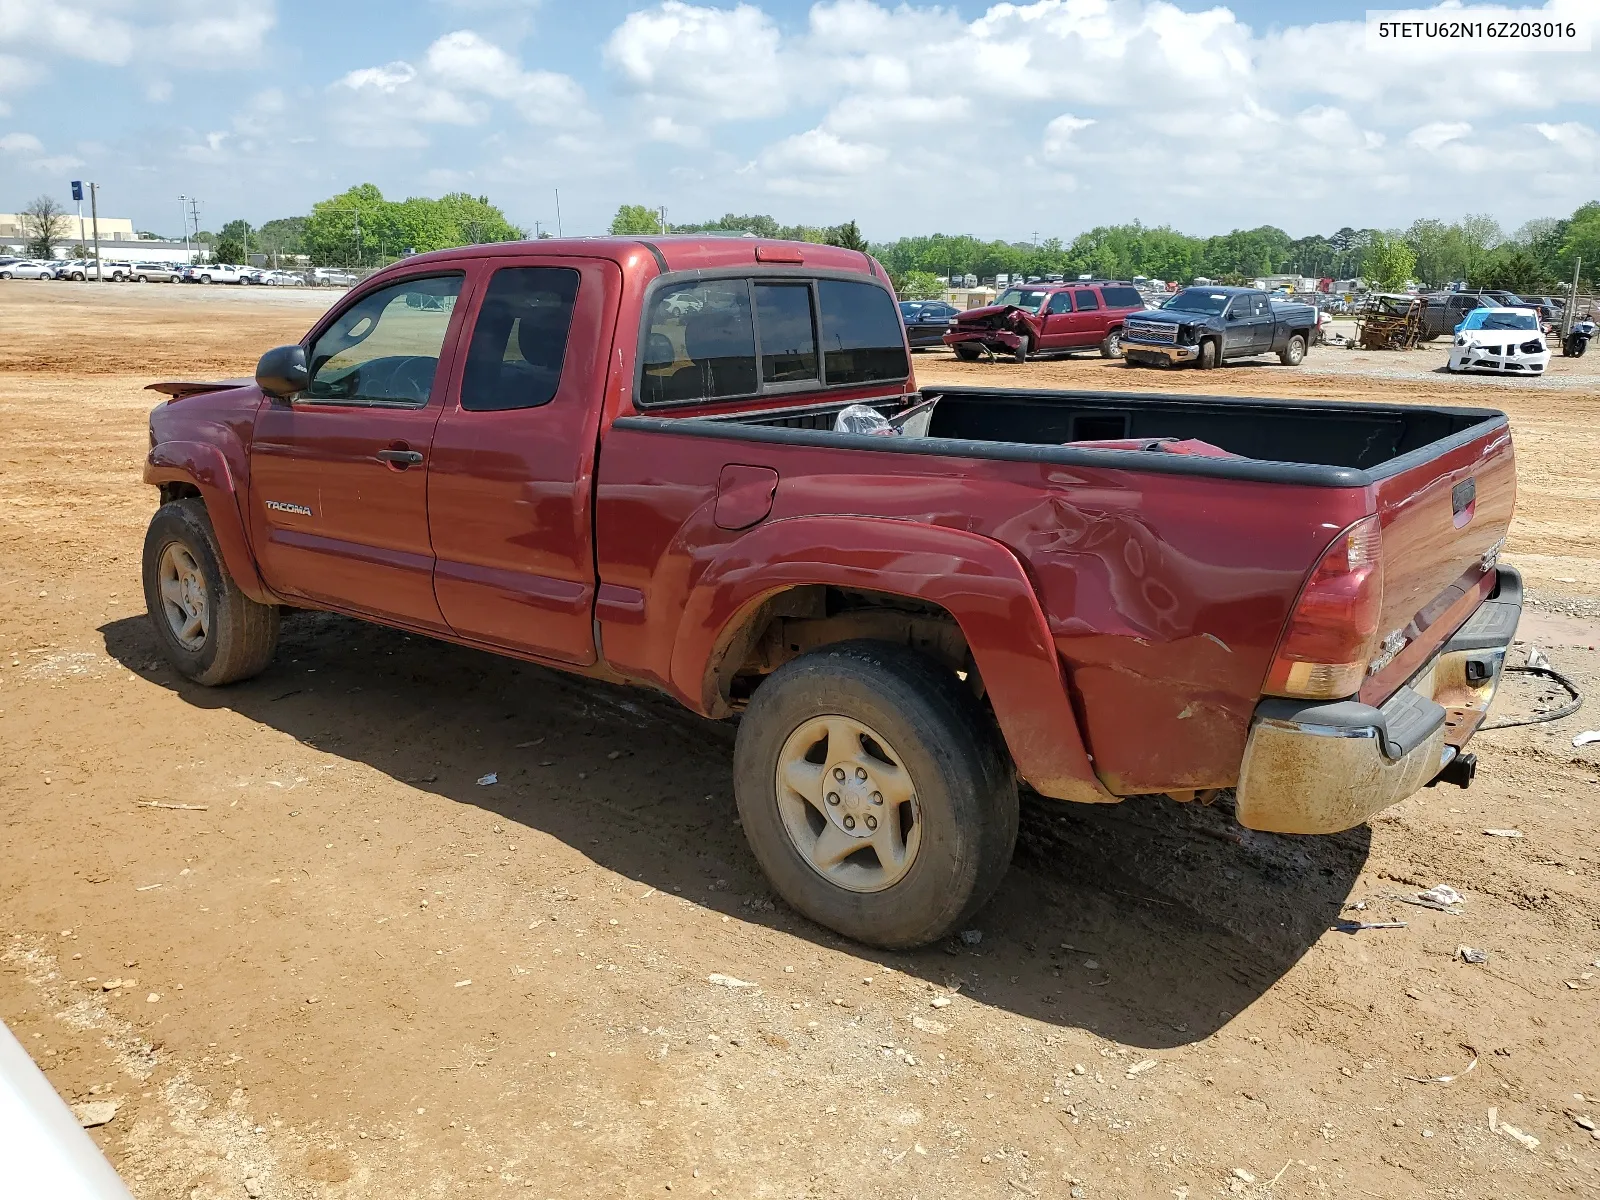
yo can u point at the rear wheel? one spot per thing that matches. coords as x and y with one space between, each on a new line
5 274
874 794
965 352
1294 352
1112 346
1209 355
208 629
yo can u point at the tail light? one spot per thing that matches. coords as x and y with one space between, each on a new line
1333 630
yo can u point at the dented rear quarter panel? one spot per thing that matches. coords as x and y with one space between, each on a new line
1164 595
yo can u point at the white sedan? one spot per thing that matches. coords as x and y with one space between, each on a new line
1505 341
26 269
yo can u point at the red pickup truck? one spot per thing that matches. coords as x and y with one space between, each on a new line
1047 319
622 458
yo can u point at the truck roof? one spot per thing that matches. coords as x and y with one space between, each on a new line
672 252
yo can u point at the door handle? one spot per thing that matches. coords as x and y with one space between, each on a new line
400 459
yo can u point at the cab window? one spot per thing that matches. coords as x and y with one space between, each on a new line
520 340
701 343
384 348
1060 303
862 338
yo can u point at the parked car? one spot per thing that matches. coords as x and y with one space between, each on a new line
1504 341
153 272
212 273
118 270
1446 310
1208 325
927 321
58 267
280 279
1046 319
25 268
1100 595
329 277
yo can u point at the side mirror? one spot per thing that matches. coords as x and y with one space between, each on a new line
283 372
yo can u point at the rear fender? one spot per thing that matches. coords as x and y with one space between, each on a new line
206 468
977 580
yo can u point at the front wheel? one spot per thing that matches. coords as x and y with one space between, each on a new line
1294 353
1021 352
1112 346
209 630
965 352
1210 356
1576 347
5 274
874 793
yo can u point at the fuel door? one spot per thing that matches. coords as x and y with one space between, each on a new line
744 495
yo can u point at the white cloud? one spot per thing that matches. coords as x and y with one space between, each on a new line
1437 134
27 152
1058 135
464 61
818 152
714 64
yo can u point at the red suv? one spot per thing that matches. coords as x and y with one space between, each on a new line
1047 318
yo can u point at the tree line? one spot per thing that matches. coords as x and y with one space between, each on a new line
1538 256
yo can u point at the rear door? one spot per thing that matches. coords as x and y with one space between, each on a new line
1088 324
513 459
339 475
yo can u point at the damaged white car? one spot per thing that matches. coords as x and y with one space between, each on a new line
1506 341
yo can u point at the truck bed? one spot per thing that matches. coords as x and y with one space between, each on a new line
1166 578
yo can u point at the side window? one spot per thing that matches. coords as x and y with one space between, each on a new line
787 331
1239 306
384 348
701 343
1086 301
1259 306
1122 297
520 340
1061 302
862 338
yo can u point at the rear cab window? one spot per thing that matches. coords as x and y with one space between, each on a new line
720 339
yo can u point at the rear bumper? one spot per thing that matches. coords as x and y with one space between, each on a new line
1171 353
1326 766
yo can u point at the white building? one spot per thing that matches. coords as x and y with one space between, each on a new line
119 241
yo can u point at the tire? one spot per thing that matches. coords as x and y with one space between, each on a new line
963 810
1210 356
965 352
1294 351
205 279
1579 345
1112 346
5 274
239 636
1020 354
144 279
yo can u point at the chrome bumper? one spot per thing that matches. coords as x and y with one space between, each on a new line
1172 353
1327 766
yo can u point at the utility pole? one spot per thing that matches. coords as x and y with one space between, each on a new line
537 232
94 215
662 216
183 217
1570 313
558 214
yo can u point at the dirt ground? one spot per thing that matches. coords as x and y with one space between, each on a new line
335 965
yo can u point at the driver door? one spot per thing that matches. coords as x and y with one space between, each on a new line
1057 321
339 474
1243 332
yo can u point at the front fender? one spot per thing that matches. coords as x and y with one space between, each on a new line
977 580
206 468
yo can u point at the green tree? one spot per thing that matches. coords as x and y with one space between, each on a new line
1388 262
282 236
1511 268
847 235
636 218
44 223
919 285
1582 240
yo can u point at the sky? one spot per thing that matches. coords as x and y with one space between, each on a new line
1005 120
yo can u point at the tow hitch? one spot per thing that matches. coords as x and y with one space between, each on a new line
1459 771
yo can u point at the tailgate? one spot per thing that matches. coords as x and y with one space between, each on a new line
1444 519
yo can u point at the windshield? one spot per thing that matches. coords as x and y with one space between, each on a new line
1198 300
1028 298
1487 318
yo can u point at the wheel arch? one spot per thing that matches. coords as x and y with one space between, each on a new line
196 469
922 577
